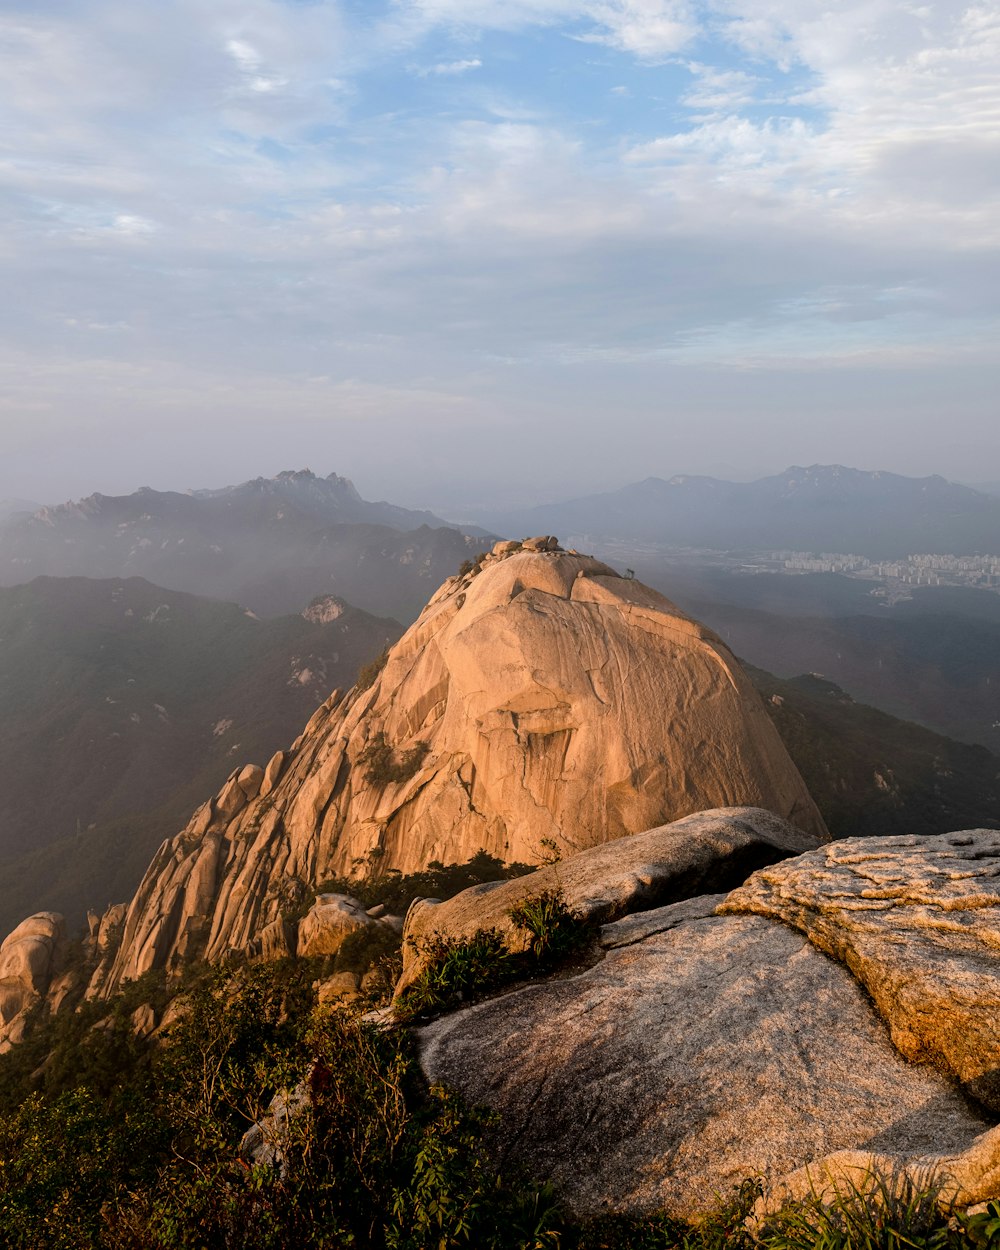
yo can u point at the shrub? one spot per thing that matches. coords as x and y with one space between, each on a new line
472 566
64 1160
384 766
555 932
457 970
368 673
884 1212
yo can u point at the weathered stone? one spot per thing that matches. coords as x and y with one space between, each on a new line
201 821
109 931
338 988
272 773
324 610
264 1141
544 700
329 922
278 940
175 1011
966 1177
60 989
709 851
143 1020
713 1050
249 780
505 548
27 961
231 800
917 920
542 542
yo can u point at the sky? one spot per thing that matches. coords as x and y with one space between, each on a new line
486 252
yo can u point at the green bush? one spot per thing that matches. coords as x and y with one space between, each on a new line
884 1213
368 673
383 765
66 1160
459 970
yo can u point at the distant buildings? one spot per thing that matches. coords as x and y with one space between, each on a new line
915 570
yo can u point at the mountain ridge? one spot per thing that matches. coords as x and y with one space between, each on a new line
817 507
272 544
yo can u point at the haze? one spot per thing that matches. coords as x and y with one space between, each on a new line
495 251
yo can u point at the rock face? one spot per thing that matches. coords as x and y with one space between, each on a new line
917 920
28 959
539 696
713 850
714 1049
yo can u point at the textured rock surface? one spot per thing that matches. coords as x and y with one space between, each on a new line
967 1176
917 920
713 850
712 1050
28 959
539 696
328 924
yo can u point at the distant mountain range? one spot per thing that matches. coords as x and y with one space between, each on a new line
124 704
820 508
872 774
942 671
271 544
10 507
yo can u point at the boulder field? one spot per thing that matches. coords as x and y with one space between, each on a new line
539 701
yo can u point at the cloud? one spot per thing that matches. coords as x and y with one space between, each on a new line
643 190
449 68
719 91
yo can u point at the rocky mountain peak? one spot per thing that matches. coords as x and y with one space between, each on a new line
539 698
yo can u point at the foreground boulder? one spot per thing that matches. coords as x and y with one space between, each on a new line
713 1049
829 1017
540 698
917 920
28 959
711 851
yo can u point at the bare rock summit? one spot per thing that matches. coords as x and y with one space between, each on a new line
539 698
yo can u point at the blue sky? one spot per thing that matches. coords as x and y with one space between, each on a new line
495 250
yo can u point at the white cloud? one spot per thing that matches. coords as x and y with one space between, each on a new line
651 30
719 91
449 68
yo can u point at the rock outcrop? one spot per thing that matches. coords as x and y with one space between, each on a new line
714 850
28 959
687 1060
917 920
539 697
836 1013
330 921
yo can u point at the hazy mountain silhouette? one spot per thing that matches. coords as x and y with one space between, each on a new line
270 544
124 704
11 507
822 508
